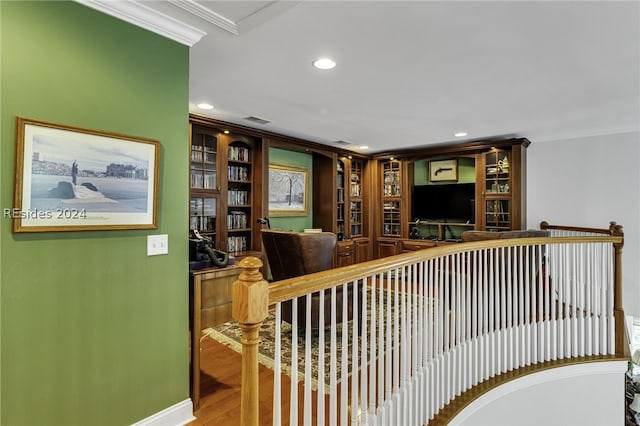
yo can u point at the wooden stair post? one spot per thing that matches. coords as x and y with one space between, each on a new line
621 348
250 305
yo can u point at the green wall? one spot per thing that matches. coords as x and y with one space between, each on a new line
466 171
92 330
297 159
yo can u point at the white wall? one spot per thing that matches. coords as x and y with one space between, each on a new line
575 395
589 182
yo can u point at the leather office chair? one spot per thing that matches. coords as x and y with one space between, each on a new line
293 254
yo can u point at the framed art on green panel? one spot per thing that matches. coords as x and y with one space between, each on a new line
75 179
288 190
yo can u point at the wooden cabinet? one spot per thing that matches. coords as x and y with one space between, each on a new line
226 185
210 305
345 254
352 251
239 205
205 190
388 247
357 206
501 180
341 220
490 192
361 249
413 245
351 212
391 199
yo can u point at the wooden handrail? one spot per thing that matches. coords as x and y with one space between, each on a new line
544 225
283 290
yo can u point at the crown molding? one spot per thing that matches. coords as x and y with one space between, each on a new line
145 17
207 14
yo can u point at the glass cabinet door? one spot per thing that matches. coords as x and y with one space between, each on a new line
391 198
497 190
340 198
202 215
391 219
356 204
497 173
203 161
391 179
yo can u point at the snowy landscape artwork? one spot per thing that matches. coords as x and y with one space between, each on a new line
288 190
69 178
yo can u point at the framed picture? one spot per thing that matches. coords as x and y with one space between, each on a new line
288 190
443 170
74 179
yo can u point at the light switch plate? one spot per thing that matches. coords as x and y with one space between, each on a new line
157 244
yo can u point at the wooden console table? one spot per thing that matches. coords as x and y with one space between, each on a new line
210 305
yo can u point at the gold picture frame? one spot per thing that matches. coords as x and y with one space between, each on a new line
443 170
70 178
288 190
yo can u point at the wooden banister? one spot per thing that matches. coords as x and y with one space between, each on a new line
283 290
250 305
544 225
618 312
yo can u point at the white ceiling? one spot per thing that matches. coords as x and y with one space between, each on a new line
413 73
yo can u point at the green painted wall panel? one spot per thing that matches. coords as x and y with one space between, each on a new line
297 159
466 171
92 330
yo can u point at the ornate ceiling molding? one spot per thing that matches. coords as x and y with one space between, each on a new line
207 14
145 17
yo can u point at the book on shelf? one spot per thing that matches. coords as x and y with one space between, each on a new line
237 243
237 220
238 153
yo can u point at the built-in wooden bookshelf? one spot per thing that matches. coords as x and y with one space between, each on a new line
226 193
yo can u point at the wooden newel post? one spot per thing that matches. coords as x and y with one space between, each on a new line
618 312
250 305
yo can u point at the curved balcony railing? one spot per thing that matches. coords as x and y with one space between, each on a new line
431 325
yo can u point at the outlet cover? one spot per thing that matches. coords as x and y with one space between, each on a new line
157 244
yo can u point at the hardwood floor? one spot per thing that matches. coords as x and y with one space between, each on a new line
220 374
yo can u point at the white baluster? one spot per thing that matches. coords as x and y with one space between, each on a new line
277 370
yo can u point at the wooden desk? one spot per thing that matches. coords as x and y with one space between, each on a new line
210 305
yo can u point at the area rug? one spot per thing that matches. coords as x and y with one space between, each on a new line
229 335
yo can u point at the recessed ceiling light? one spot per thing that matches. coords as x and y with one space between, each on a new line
364 147
324 63
226 132
460 134
204 106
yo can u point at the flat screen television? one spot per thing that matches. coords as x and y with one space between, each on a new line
453 203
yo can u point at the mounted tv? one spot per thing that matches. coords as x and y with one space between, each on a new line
451 203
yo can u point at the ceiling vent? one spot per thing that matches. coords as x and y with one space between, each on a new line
257 120
341 142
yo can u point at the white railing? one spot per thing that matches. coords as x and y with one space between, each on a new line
432 325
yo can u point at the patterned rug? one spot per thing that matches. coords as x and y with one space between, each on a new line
229 335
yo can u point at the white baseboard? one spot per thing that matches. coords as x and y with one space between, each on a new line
177 415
